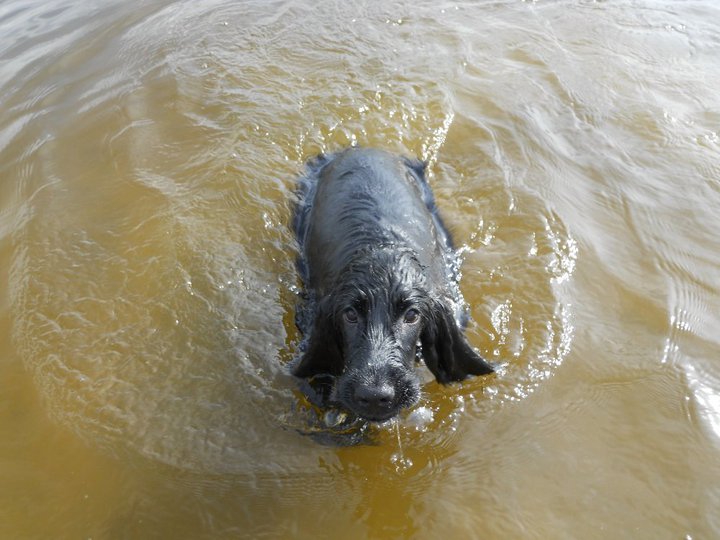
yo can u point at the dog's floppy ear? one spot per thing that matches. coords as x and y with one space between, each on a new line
447 353
322 354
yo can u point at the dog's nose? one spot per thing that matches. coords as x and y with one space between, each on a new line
375 398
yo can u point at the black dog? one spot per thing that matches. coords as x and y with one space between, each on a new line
377 264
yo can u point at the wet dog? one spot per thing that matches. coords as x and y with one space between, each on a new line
377 264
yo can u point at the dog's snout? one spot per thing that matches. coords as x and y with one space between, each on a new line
377 392
375 396
375 401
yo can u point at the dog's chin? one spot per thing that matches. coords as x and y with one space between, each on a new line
378 418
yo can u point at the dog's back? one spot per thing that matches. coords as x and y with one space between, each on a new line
364 199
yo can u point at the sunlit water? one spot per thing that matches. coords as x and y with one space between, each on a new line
148 153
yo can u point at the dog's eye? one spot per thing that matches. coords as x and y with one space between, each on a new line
411 316
350 315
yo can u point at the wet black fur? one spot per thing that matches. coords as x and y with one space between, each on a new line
373 254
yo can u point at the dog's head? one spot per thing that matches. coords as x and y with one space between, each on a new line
366 333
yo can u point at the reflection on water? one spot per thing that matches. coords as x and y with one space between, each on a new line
148 156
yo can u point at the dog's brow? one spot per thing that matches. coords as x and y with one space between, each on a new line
360 302
404 299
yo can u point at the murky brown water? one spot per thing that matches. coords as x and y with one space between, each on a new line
147 158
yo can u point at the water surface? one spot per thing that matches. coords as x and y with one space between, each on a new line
148 153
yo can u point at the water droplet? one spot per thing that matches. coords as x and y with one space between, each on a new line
334 418
402 464
420 418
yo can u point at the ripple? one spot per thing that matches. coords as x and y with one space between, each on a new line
705 387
